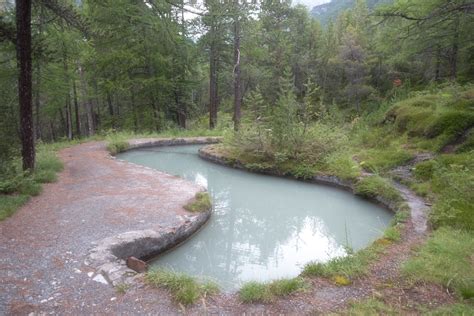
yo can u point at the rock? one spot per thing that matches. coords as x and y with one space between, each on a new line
137 264
99 278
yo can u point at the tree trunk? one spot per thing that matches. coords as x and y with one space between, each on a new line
68 118
455 50
38 100
438 63
76 110
23 48
111 109
237 91
87 103
213 93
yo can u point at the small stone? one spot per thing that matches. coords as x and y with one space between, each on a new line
77 270
90 274
137 264
100 278
113 298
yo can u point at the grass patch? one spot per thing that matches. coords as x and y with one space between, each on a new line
446 259
454 309
371 306
374 186
185 289
252 292
201 203
350 266
383 159
122 288
16 186
392 233
10 203
117 143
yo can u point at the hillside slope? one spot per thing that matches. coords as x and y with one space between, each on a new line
327 11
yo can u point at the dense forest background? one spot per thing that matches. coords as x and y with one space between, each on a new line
105 66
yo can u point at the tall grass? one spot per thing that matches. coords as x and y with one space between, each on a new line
184 289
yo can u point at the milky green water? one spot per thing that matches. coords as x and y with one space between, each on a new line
262 227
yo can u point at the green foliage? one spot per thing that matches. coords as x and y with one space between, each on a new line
371 306
453 309
424 170
185 290
400 217
373 186
252 292
10 203
340 163
384 159
392 233
117 145
17 186
201 203
452 183
350 266
445 259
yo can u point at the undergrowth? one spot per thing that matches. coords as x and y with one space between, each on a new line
16 186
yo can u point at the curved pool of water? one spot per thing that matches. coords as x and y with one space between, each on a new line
262 227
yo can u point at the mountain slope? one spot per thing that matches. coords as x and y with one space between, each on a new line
327 11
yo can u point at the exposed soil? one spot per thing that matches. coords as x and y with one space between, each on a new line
44 245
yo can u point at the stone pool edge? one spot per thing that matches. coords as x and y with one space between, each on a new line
109 255
330 180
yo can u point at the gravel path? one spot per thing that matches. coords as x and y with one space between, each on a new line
44 245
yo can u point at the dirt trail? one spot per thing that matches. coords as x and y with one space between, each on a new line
44 245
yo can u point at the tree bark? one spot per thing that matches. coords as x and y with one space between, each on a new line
438 63
455 50
237 90
213 93
23 48
87 103
76 110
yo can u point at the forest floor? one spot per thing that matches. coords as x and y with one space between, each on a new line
43 247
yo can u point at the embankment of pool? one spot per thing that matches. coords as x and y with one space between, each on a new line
209 153
117 259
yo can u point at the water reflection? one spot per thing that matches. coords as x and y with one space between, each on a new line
262 227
